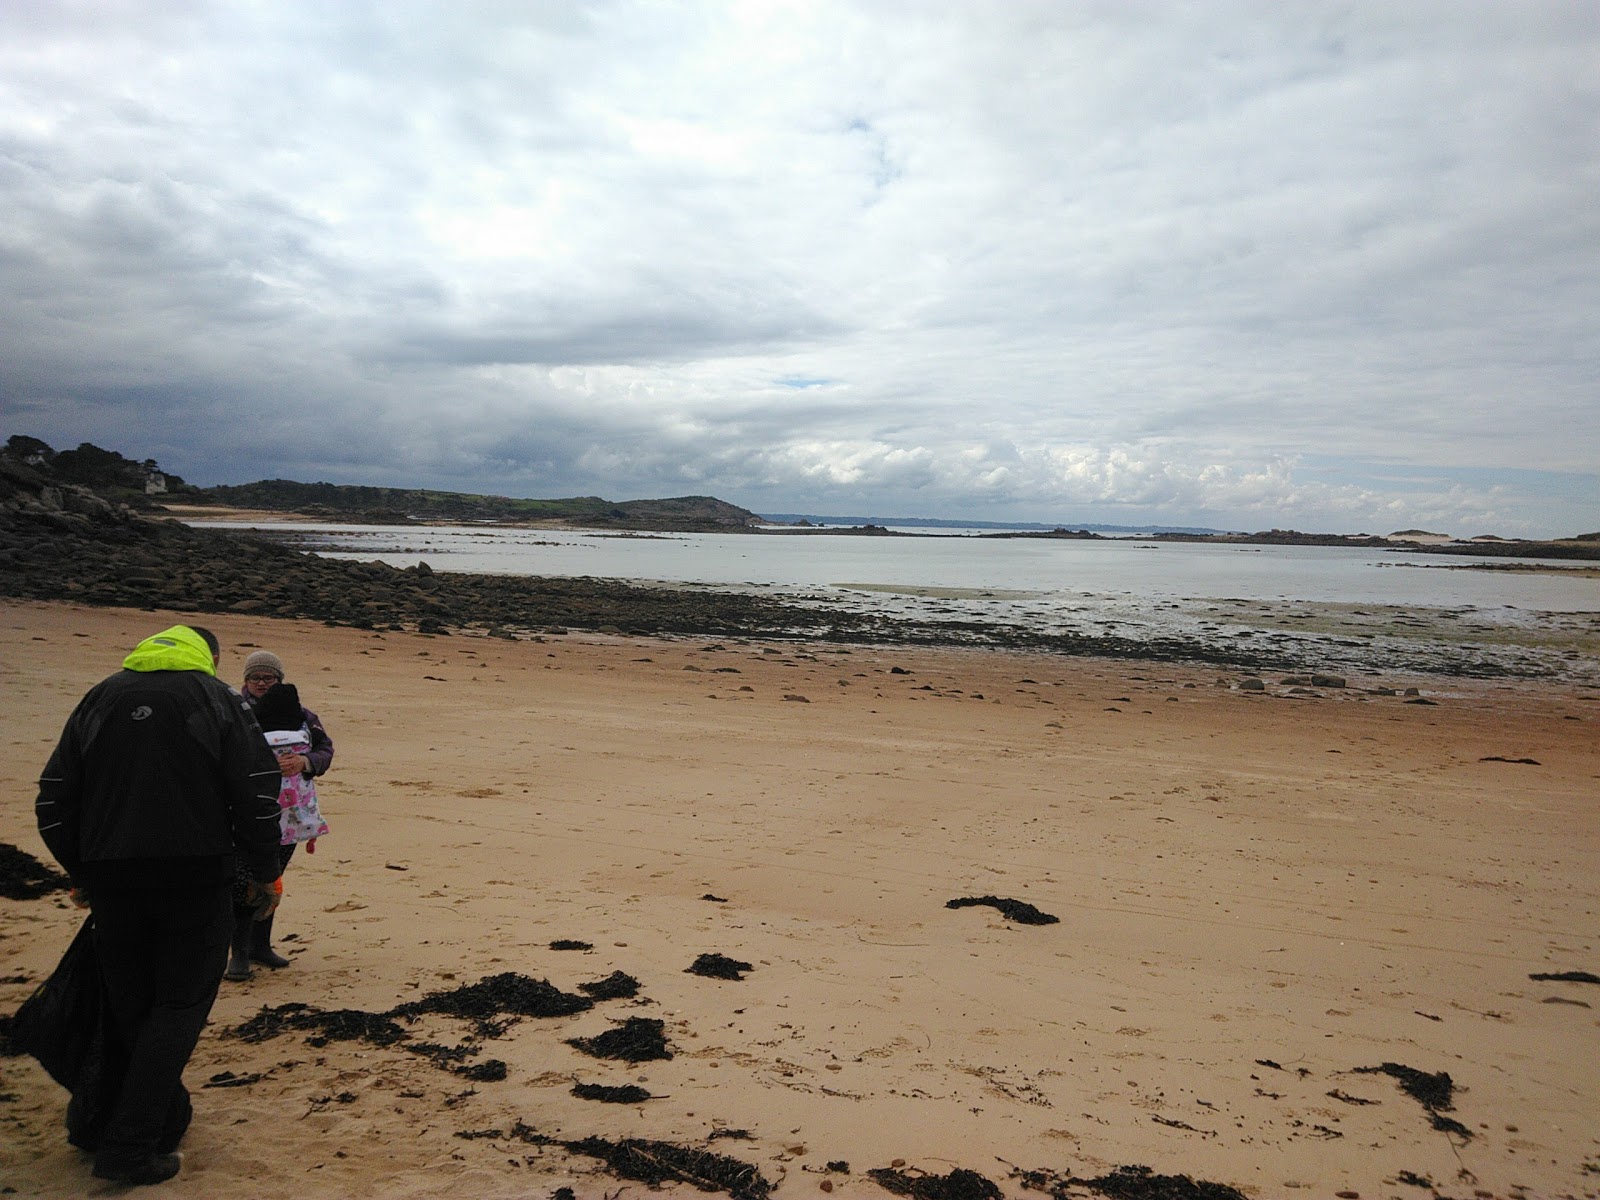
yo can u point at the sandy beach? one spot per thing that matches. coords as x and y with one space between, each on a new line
1262 896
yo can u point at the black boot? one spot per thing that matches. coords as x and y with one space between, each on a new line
152 1168
261 950
239 949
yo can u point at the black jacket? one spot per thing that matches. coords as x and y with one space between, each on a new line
159 777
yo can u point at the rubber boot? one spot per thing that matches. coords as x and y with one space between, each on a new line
154 1168
261 950
238 968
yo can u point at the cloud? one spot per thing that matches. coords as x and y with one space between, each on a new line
1076 262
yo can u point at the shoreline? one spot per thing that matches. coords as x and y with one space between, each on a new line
1260 895
1283 635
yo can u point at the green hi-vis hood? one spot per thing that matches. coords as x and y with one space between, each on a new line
177 649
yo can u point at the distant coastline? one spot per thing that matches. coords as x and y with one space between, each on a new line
144 487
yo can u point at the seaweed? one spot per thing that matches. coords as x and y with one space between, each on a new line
337 1025
615 986
625 1094
959 1184
638 1039
662 1162
494 995
716 966
1014 910
1433 1092
1567 976
1132 1183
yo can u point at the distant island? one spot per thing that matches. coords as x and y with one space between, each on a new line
144 486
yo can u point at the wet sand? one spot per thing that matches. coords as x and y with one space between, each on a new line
1258 893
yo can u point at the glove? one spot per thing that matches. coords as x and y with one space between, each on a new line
263 898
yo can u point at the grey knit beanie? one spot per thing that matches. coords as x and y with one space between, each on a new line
263 660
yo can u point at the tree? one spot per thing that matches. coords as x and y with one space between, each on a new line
30 450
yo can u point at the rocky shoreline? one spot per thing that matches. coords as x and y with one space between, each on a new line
66 543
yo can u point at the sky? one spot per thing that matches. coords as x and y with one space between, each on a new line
1241 264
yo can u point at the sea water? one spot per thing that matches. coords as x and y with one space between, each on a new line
1365 606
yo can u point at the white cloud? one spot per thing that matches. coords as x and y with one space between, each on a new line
1245 263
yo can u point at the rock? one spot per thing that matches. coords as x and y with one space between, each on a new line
1327 681
1252 684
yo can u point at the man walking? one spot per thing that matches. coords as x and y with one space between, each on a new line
160 778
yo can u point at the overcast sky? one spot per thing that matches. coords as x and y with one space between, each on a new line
1324 266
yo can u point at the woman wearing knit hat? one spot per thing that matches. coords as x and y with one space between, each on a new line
252 940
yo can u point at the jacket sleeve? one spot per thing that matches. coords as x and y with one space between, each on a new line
320 757
250 770
60 800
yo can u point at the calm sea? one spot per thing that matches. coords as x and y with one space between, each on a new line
1354 608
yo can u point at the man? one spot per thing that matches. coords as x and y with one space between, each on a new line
160 778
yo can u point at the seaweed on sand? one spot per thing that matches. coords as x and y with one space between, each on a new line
481 1003
627 1093
662 1162
494 995
1432 1091
1014 910
638 1039
336 1025
717 966
1568 976
652 1162
1131 1183
615 986
959 1184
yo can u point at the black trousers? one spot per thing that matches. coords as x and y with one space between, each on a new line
162 952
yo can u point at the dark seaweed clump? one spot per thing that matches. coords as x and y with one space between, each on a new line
570 944
717 966
960 1184
1433 1091
494 995
615 986
652 1162
1131 1183
638 1039
481 1003
1014 910
24 877
1568 976
337 1025
656 1163
625 1094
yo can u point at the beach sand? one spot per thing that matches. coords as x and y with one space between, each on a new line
1259 894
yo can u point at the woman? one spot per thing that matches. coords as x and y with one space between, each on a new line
252 940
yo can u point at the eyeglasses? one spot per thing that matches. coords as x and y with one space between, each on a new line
261 679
